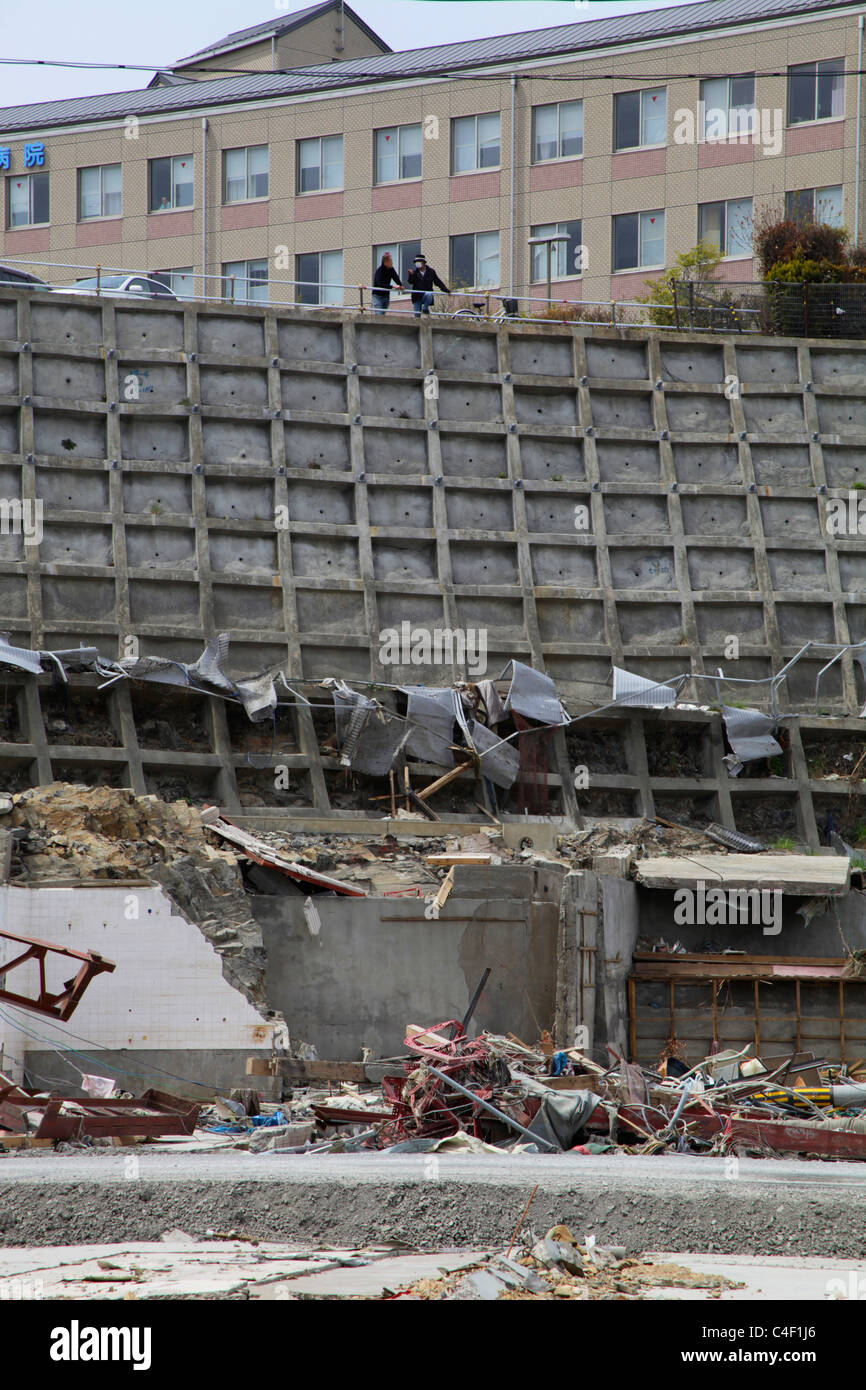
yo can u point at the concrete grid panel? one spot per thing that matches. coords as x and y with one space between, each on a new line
728 581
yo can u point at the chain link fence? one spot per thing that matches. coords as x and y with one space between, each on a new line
786 309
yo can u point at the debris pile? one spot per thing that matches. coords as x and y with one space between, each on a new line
558 1266
76 832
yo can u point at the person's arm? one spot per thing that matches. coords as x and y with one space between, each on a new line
396 278
437 281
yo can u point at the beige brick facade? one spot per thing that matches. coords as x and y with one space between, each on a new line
594 188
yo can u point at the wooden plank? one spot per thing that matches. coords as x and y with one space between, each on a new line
443 861
443 780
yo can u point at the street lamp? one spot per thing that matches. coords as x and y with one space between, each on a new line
549 242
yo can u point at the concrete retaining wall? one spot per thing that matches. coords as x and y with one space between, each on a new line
307 481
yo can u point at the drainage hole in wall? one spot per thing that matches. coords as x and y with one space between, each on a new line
69 381
243 456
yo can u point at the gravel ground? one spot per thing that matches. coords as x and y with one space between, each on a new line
781 1208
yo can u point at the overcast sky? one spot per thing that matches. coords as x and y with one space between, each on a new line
164 30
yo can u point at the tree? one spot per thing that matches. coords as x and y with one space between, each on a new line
697 267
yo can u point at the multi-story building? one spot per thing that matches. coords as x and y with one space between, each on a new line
299 149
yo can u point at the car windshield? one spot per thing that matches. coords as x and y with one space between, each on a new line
105 282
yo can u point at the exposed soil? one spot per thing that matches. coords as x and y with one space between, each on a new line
738 1219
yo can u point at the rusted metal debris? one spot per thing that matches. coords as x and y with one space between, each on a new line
62 1117
63 1003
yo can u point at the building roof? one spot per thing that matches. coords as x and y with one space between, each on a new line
437 61
277 27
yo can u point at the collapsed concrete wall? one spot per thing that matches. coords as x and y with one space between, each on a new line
167 1007
368 967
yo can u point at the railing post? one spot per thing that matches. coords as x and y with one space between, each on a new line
231 289
613 313
487 305
805 312
691 305
676 303
361 297
98 279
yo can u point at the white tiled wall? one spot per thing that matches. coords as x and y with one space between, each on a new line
167 991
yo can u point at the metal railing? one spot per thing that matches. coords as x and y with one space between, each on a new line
780 308
484 304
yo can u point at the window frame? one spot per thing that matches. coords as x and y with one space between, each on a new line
725 203
166 277
464 236
558 230
318 139
258 197
640 92
319 282
226 274
817 65
100 216
728 108
401 178
478 168
825 188
170 159
617 221
38 174
559 156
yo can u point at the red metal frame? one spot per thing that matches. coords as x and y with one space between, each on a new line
63 1004
153 1113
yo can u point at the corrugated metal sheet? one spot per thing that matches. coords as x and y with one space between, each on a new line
270 26
443 59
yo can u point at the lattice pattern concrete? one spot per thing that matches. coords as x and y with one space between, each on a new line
306 481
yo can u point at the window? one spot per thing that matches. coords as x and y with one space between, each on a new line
640 118
26 200
99 192
320 277
815 205
475 260
474 143
403 253
180 282
815 91
171 183
245 174
727 226
728 106
639 240
398 153
245 282
565 256
557 131
320 163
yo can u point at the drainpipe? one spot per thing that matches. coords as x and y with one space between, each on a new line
204 207
513 147
859 132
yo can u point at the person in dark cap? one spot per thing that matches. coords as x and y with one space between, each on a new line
421 282
382 279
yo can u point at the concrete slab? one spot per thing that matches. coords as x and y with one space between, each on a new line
799 874
771 1277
